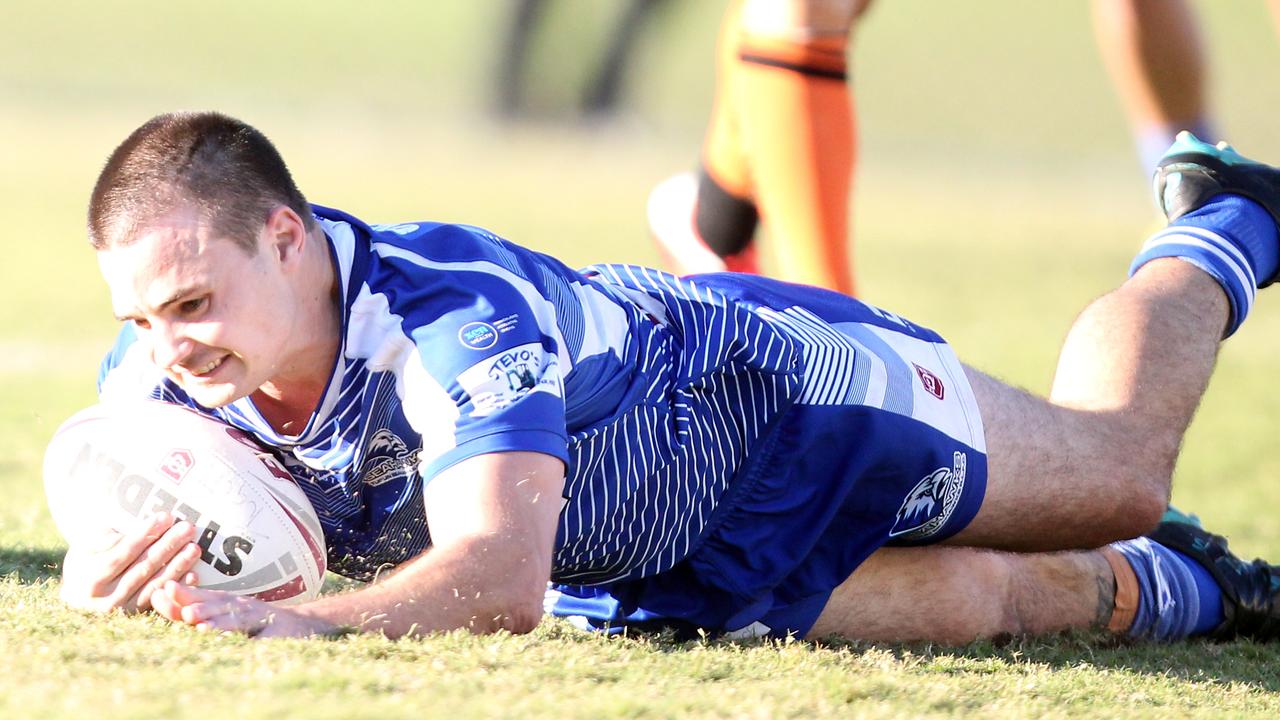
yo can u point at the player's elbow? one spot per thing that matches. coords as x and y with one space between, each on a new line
519 612
525 618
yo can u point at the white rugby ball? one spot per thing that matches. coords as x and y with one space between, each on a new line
110 465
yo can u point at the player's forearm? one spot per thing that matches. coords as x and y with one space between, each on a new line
481 586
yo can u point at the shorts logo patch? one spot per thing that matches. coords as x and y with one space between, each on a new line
478 335
931 502
932 383
498 382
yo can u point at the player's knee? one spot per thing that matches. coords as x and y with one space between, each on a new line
1134 510
1146 508
793 19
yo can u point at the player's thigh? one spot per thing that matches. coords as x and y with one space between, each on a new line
1059 478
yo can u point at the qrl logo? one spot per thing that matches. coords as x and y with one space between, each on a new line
177 464
932 383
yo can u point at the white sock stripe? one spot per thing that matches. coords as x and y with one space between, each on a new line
1243 272
1213 237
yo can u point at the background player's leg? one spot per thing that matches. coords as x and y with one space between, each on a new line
707 222
795 110
1154 56
1093 463
601 95
955 595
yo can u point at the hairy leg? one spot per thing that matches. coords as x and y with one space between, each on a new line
955 595
1093 463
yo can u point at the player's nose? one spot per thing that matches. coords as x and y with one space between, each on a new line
169 344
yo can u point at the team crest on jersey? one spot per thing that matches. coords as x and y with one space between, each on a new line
388 458
478 335
501 380
932 383
931 502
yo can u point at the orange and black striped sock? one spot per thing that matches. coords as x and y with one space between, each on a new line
795 124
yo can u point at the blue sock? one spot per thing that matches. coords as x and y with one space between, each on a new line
1176 597
1232 238
1211 614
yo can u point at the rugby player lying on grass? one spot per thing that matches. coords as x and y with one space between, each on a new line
724 452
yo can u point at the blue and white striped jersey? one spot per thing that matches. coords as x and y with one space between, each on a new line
456 343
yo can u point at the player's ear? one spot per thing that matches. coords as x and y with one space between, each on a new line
286 235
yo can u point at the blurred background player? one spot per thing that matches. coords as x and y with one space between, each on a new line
1155 57
600 96
780 146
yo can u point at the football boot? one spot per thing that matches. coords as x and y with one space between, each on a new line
1250 590
1193 172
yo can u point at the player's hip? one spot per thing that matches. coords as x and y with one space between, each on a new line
830 485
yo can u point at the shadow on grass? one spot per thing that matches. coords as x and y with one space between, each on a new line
31 565
1198 661
1193 661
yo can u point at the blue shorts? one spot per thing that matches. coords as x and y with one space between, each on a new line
883 447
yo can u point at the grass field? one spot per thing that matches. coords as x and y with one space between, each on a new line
996 194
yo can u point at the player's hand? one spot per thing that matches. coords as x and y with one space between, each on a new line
125 569
214 610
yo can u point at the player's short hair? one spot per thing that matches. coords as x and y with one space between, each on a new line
224 168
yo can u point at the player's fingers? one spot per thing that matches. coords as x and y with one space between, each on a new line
200 612
197 604
149 563
120 555
170 599
242 618
178 567
189 594
163 604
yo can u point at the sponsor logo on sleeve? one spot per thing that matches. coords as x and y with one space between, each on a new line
478 335
931 502
499 381
507 324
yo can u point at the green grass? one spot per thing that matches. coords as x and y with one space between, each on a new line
996 193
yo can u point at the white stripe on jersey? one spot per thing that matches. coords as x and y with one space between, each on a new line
851 363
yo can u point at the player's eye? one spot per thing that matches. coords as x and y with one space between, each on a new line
190 307
141 323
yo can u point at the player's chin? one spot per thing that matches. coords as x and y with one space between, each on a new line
215 396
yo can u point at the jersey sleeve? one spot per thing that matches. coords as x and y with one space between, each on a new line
486 374
127 373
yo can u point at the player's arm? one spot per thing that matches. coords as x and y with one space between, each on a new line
493 521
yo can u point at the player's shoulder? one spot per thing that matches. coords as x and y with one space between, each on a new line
430 239
126 372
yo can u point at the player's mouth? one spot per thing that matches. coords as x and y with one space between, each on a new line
206 370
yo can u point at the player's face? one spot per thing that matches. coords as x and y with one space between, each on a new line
215 316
